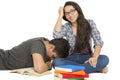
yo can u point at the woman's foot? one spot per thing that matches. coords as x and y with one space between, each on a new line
104 70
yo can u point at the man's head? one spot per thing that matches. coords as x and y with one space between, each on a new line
61 48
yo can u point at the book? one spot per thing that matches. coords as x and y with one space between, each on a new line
80 72
64 76
69 68
74 76
29 71
76 79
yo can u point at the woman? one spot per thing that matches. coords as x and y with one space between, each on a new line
79 32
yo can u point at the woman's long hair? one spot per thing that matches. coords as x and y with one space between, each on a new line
83 27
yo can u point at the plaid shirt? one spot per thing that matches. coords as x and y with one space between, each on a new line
66 32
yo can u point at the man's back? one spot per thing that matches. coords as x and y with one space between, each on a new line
21 56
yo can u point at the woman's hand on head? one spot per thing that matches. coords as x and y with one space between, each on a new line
60 11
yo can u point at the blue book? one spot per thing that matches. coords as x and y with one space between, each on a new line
69 68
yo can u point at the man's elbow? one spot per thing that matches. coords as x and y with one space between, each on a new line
40 70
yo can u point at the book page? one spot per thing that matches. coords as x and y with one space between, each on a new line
29 71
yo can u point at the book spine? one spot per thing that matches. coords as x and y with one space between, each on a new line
68 70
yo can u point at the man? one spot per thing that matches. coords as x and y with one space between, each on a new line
36 52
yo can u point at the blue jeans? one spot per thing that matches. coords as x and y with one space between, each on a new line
77 59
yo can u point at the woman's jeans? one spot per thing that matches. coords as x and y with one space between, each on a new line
77 59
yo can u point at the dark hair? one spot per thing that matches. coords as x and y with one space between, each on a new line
61 47
83 27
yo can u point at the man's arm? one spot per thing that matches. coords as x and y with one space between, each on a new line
39 65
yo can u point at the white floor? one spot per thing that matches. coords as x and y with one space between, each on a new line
113 73
6 75
21 15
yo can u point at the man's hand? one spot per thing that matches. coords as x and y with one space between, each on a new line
49 64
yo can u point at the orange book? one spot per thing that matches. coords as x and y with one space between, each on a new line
80 72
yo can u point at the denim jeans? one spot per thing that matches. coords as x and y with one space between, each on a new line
77 59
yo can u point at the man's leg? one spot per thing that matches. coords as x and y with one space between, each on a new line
2 63
2 67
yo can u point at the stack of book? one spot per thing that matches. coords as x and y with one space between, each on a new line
70 72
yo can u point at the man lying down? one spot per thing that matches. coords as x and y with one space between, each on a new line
35 52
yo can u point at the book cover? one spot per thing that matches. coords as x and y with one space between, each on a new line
66 76
69 68
80 72
60 77
74 76
74 79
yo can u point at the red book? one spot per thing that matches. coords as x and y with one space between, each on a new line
74 76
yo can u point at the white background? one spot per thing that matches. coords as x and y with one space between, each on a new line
24 19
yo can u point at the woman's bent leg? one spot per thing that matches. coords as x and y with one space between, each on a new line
103 60
63 61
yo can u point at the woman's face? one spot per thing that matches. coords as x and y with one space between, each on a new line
71 13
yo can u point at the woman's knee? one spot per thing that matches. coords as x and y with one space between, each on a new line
104 60
58 62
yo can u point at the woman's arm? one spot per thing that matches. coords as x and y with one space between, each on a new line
58 24
39 65
94 58
97 50
59 29
98 43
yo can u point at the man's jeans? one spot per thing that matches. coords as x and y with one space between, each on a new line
77 59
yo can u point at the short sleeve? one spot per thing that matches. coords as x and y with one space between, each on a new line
37 47
96 34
